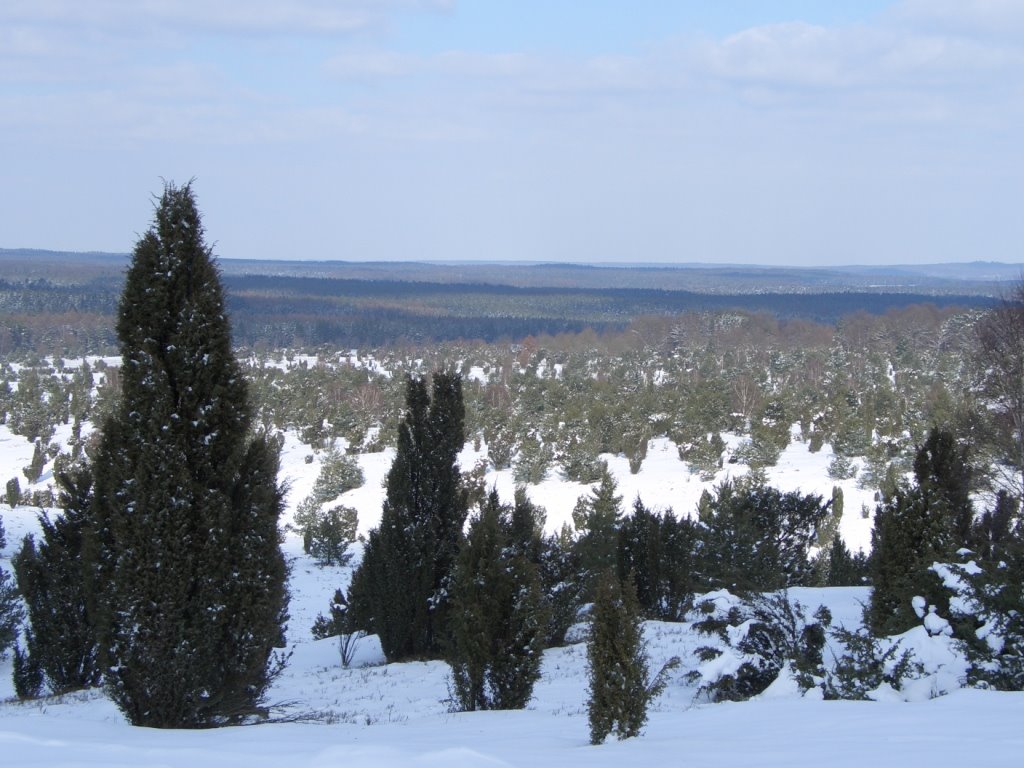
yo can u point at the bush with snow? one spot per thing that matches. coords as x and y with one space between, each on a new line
758 640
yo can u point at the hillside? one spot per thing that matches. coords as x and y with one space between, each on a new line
378 714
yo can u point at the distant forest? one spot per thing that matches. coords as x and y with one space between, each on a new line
65 303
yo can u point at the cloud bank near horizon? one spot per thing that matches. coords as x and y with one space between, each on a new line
419 129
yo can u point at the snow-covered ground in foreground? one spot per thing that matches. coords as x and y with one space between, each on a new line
374 714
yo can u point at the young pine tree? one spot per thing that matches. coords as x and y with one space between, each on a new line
597 518
658 552
756 538
61 636
400 591
915 527
10 613
10 606
497 624
845 569
188 575
620 685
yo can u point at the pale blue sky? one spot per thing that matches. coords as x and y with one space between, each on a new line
758 131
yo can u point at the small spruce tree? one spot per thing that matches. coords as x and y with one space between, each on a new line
10 613
13 492
597 517
34 470
757 538
916 526
27 675
400 592
62 640
620 689
496 619
845 569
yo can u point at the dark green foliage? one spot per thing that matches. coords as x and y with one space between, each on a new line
597 518
532 462
864 666
562 584
400 591
496 619
769 633
10 613
915 527
621 688
35 466
705 455
53 579
658 552
906 539
756 538
13 492
526 527
993 531
32 413
3 534
335 624
329 533
558 567
845 569
942 470
27 675
338 473
184 553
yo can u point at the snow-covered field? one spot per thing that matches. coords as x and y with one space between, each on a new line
373 714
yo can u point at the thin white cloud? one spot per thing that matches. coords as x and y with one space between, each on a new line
803 55
983 18
360 65
371 65
221 16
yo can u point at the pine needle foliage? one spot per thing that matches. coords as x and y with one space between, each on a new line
188 575
11 613
597 517
916 526
51 577
621 688
756 538
400 591
497 623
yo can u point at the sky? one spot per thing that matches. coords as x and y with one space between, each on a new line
790 132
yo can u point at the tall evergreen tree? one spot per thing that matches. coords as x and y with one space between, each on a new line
757 538
562 585
400 590
845 569
620 684
497 625
640 556
597 517
188 575
915 527
52 579
657 552
943 473
10 613
993 531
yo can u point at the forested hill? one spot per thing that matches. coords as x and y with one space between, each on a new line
65 302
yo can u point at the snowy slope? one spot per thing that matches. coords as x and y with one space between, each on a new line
384 715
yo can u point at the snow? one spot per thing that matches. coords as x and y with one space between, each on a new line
376 714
